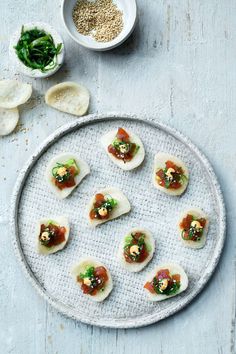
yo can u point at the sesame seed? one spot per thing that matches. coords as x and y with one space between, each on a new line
100 19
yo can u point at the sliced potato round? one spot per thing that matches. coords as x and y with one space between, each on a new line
138 158
122 207
84 170
173 269
159 163
198 213
81 266
68 97
8 120
58 220
14 93
150 244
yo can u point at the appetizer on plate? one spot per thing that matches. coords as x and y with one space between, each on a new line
14 93
68 97
136 249
107 204
124 148
64 172
193 228
165 281
52 234
93 277
170 174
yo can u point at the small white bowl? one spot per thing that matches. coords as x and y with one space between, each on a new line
129 9
20 66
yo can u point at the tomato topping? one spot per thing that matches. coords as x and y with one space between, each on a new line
122 148
137 239
55 235
176 277
170 164
164 283
149 287
99 197
172 180
189 232
122 135
101 272
97 279
186 222
69 182
102 207
163 274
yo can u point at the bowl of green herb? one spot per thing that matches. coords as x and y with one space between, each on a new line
37 50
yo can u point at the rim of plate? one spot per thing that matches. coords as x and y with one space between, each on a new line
68 311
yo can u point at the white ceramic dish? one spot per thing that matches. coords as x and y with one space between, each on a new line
127 305
25 69
129 9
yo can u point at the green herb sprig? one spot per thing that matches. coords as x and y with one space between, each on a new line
37 50
169 290
89 273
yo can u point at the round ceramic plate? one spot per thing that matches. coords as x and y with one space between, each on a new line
127 306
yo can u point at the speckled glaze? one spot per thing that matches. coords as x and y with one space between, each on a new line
153 313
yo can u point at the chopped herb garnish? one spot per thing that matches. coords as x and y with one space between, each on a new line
122 148
170 289
192 228
89 272
135 247
61 172
171 176
37 50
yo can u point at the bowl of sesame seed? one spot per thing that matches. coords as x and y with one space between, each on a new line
99 24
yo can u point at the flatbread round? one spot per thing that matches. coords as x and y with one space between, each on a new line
122 207
198 213
59 220
159 163
84 170
150 242
8 120
81 266
138 158
68 97
14 93
173 269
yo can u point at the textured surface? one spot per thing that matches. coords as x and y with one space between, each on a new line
127 306
178 67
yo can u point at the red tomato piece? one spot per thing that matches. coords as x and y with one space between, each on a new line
122 135
149 287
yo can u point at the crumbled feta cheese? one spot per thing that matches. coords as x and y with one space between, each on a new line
196 224
62 171
134 250
163 283
124 148
45 236
169 173
102 211
87 281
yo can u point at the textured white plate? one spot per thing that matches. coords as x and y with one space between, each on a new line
127 305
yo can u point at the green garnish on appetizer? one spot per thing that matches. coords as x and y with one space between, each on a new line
64 174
